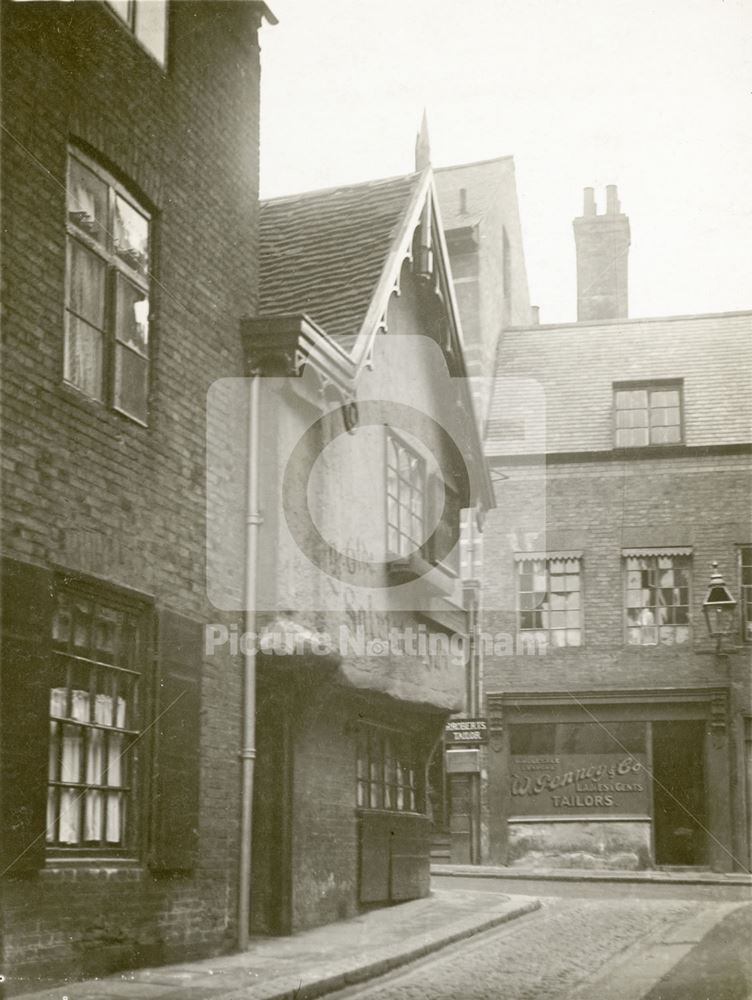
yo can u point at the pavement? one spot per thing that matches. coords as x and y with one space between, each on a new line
584 949
312 963
719 966
675 876
656 969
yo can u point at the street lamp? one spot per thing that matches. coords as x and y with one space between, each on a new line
719 607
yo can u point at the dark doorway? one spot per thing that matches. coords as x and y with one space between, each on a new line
271 889
679 792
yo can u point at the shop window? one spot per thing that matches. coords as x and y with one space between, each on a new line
529 739
745 569
657 600
387 771
406 497
98 662
648 414
147 20
600 738
549 606
106 353
577 738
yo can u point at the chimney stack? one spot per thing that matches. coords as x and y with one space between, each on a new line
602 243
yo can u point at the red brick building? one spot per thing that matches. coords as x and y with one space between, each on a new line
620 451
130 164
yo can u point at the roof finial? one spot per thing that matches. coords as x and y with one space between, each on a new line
423 145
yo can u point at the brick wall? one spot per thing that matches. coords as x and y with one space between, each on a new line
85 488
599 508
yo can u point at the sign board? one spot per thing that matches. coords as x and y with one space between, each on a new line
466 731
463 761
579 784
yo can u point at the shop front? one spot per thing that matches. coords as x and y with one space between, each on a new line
607 781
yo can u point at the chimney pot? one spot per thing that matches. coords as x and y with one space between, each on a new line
602 243
535 315
463 201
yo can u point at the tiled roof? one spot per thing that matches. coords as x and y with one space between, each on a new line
482 182
322 252
553 390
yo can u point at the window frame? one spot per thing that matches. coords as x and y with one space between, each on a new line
745 591
687 560
555 737
115 270
388 780
132 732
548 557
442 514
392 438
130 23
649 386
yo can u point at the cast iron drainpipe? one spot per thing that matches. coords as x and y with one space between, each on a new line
248 748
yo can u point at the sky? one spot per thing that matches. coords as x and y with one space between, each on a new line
655 97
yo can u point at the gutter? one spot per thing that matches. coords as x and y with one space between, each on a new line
253 523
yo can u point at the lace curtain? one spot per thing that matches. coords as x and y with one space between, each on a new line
84 754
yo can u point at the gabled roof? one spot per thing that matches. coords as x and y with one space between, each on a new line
323 252
330 262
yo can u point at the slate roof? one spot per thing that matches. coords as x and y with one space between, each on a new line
323 252
553 390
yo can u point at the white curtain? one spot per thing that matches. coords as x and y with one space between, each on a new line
114 776
70 764
102 768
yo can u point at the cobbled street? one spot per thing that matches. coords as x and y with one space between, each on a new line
548 955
